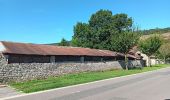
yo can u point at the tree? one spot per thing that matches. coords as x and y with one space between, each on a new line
150 46
64 42
122 22
123 42
82 35
164 51
101 27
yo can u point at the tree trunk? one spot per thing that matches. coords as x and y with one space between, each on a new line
164 60
149 61
126 61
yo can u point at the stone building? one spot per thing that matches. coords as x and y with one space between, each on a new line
139 55
21 61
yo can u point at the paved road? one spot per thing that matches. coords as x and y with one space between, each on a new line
146 86
7 91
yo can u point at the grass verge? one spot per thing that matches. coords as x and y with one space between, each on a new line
73 79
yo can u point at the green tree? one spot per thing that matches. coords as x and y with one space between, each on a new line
123 42
101 27
150 46
122 22
82 35
164 51
64 42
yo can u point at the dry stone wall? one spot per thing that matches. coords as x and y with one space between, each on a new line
28 71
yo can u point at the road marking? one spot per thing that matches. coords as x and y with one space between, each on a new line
75 92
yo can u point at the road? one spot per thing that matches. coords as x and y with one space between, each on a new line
153 85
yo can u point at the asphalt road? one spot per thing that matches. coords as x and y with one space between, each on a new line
146 86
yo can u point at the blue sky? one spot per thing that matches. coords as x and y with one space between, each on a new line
47 21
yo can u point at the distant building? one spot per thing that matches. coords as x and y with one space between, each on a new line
139 55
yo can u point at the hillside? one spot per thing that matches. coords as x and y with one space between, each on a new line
165 36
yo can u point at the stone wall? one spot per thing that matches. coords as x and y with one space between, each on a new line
29 71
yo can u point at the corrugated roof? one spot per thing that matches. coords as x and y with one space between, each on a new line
38 49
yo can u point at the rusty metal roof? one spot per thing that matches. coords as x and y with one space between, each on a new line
134 51
38 49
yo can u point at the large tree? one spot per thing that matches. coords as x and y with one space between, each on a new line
123 42
102 26
150 46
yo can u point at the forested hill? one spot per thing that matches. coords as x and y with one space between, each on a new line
156 30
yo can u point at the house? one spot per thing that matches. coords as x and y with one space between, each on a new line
153 60
139 55
23 61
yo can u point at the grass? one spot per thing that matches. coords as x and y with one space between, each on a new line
73 79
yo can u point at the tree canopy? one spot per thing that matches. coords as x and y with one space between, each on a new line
164 51
150 46
123 42
100 29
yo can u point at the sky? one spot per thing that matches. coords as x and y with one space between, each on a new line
48 21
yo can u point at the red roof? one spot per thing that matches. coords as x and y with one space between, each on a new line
38 49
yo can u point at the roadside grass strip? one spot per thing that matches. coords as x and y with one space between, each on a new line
74 79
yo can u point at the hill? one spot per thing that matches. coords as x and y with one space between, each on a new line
164 33
165 36
157 30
